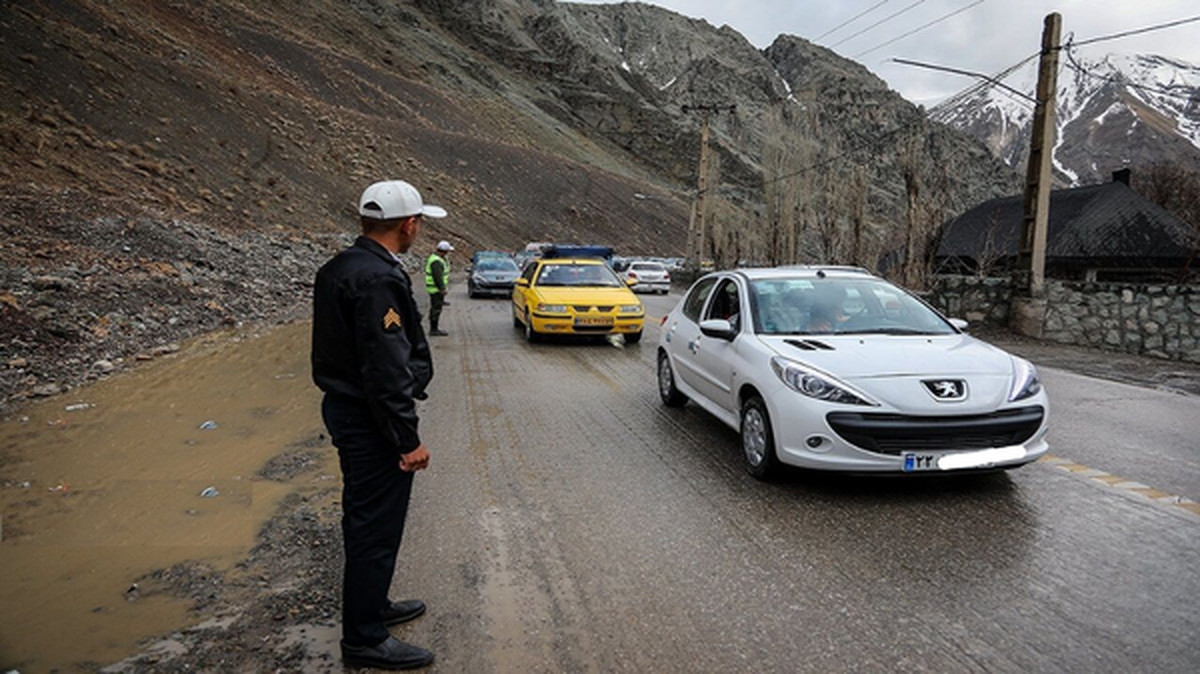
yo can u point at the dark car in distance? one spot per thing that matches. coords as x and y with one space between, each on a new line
492 275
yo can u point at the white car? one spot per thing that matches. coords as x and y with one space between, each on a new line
832 368
652 277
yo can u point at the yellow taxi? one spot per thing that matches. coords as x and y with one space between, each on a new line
575 297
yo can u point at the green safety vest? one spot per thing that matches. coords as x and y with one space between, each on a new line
430 284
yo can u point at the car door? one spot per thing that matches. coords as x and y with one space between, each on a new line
683 334
521 294
713 356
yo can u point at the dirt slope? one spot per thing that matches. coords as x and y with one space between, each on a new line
169 166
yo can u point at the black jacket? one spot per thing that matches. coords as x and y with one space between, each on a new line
367 338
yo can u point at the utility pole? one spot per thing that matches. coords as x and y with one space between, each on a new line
1028 302
697 225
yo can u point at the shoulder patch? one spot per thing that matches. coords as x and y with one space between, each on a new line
391 319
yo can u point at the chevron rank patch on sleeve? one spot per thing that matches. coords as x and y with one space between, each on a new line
391 319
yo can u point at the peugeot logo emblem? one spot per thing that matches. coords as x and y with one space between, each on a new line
946 390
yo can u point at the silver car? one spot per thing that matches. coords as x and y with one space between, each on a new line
652 277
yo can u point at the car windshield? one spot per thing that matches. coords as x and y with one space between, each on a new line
593 275
497 264
842 306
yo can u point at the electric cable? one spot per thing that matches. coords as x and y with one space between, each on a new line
1137 31
1069 50
849 21
880 22
918 29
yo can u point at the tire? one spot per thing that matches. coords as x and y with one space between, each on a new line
531 335
517 324
633 337
758 440
471 291
670 396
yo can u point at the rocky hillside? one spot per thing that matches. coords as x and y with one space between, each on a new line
170 166
1112 112
625 74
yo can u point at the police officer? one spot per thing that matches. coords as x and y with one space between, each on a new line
437 283
372 360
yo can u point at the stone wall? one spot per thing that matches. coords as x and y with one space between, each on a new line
1155 320
978 300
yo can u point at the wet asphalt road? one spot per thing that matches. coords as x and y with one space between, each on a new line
569 522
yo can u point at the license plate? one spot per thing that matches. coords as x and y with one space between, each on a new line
603 320
914 461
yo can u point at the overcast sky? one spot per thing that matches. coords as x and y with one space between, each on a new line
987 37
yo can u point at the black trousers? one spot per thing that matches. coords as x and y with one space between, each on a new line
436 300
375 494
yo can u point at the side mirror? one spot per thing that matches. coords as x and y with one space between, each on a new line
523 282
470 268
630 282
959 324
718 328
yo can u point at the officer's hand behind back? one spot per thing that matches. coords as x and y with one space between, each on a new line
418 459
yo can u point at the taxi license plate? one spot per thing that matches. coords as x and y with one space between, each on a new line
915 461
594 320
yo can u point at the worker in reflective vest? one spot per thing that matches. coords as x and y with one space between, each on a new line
437 282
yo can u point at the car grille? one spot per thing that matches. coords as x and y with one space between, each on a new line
585 308
895 434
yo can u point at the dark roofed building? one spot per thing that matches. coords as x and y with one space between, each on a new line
1098 232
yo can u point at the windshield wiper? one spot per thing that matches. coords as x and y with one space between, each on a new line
888 331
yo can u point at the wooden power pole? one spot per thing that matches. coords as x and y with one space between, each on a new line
1029 304
697 225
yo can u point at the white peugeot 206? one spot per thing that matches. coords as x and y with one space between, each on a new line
832 368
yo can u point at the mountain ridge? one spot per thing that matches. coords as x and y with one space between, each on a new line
1112 112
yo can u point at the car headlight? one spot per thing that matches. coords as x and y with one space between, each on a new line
631 308
1026 382
814 384
552 308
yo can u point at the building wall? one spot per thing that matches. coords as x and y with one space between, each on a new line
1155 320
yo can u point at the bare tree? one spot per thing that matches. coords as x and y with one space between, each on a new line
910 169
989 255
1177 189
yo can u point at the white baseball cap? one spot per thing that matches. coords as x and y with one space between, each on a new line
444 246
391 199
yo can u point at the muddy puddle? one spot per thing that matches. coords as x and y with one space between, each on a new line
105 484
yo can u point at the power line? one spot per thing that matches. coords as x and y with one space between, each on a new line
982 86
968 73
851 20
842 155
880 22
1137 31
1075 65
919 29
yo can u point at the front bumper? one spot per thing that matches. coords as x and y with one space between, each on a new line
567 325
872 440
651 286
504 289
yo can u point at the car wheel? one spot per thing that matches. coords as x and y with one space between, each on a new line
758 440
531 335
671 397
633 337
516 321
471 291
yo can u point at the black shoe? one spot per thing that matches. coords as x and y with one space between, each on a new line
403 611
438 333
391 654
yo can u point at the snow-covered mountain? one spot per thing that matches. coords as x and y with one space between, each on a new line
1114 112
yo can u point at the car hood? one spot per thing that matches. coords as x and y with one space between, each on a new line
891 369
505 276
556 295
